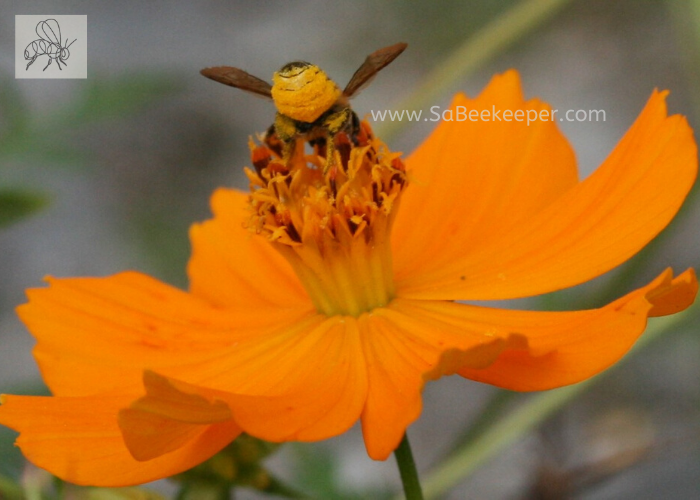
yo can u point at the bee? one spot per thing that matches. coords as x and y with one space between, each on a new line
309 104
49 43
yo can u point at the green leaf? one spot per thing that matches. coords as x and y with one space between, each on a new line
15 204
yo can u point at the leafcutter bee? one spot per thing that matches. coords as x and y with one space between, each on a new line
309 104
49 43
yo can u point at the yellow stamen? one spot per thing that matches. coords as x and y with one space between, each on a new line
334 227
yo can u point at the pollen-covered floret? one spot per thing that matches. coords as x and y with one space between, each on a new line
334 221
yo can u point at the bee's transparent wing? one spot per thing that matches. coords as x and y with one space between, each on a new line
238 78
50 31
372 65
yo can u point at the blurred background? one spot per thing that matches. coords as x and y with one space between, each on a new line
107 174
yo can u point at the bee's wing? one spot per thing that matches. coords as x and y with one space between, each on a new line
374 62
50 31
238 78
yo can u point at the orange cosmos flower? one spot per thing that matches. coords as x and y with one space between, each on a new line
342 307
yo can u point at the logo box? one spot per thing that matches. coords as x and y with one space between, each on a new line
50 46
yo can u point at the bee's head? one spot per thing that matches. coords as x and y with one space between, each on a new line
303 92
295 68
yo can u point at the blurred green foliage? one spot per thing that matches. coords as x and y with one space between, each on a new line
237 465
10 490
41 486
18 203
31 138
318 470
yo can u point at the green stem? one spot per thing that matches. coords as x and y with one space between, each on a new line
493 38
407 469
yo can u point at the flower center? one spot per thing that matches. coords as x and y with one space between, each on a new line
333 226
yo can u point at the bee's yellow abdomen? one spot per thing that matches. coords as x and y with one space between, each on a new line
303 92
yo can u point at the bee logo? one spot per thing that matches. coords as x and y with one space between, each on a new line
309 104
49 44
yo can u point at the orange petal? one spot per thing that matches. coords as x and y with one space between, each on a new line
230 266
471 180
306 383
329 391
78 440
594 227
403 351
562 347
87 327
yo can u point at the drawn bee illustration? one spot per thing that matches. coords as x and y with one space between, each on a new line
49 43
309 104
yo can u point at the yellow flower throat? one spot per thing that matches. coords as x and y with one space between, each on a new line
334 228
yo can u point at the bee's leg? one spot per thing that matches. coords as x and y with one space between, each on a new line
48 64
318 143
271 132
330 153
273 142
354 128
286 130
335 123
31 62
288 151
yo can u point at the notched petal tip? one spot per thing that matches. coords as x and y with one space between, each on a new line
673 294
569 347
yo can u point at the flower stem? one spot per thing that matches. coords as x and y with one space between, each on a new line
407 469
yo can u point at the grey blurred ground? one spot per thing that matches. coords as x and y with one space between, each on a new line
150 175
